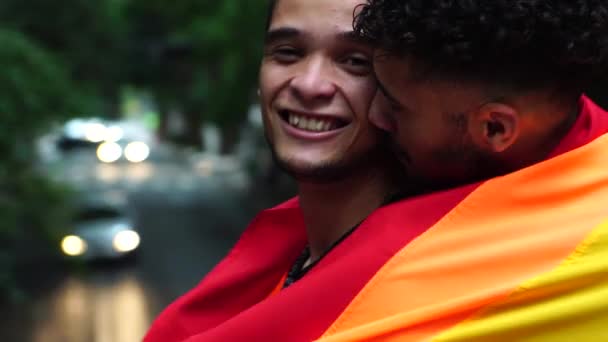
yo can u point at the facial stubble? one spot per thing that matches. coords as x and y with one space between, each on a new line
340 168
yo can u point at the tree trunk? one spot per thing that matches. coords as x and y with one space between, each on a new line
230 138
193 132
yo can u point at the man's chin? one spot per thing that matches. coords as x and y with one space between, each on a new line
313 172
324 170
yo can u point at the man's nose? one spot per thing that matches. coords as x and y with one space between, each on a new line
314 82
380 115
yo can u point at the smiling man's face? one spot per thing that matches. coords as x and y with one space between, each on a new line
317 85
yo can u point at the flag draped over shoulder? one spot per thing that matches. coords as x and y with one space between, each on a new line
523 257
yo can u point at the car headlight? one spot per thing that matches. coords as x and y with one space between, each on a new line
114 133
73 245
126 241
137 152
109 152
95 132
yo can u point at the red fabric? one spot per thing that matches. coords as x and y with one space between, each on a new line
592 123
232 303
307 308
245 277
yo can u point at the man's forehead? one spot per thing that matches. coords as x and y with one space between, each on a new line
278 33
337 13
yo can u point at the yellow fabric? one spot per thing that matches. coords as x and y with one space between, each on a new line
567 304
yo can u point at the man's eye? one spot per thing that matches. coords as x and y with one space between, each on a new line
358 64
286 54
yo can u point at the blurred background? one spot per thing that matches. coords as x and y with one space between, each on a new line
132 158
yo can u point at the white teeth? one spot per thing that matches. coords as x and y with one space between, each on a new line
319 125
293 120
303 124
312 124
309 124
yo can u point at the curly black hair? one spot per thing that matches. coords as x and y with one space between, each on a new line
518 43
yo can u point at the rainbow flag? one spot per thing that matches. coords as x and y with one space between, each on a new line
523 257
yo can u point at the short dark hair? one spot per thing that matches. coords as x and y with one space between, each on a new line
524 44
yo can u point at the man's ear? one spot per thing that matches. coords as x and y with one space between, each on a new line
495 126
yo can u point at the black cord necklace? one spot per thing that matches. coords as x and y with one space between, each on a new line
299 267
298 270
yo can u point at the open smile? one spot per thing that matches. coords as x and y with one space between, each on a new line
312 122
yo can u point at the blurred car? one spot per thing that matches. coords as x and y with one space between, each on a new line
131 151
101 232
112 140
81 133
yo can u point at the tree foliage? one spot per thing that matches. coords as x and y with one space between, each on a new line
200 56
57 61
35 90
86 36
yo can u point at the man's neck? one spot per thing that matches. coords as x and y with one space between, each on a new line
331 209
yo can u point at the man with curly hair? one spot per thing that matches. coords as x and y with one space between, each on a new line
485 103
496 84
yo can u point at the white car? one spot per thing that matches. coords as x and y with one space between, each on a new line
113 140
101 233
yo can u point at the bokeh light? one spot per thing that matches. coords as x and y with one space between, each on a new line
126 241
137 152
73 245
109 152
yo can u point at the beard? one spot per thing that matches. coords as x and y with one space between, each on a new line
334 170
457 163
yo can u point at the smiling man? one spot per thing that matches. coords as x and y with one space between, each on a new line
298 265
316 87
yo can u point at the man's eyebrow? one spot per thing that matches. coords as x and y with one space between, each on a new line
274 35
353 37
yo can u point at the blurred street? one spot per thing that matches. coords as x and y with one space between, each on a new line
188 208
133 156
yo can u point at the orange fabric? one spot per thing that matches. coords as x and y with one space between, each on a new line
279 286
509 230
569 303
